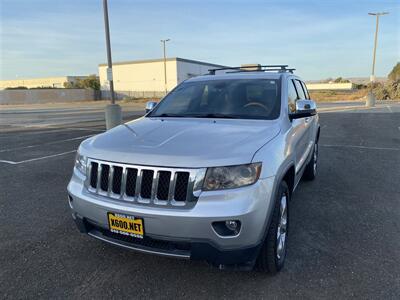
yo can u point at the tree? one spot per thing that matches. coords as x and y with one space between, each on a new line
91 82
341 80
395 73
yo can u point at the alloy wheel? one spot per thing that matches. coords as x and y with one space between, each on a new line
282 228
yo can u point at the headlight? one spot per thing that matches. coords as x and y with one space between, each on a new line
80 163
221 178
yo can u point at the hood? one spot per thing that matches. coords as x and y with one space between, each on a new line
182 142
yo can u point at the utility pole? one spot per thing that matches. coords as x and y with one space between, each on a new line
113 111
165 65
377 15
371 96
108 45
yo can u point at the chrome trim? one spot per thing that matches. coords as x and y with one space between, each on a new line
196 178
110 180
123 182
184 256
99 168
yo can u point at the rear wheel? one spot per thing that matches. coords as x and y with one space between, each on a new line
310 171
273 253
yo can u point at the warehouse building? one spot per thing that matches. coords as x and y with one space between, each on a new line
49 82
146 78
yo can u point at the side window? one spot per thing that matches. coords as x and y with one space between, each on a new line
305 90
299 89
292 96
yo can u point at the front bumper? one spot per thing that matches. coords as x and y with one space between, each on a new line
184 233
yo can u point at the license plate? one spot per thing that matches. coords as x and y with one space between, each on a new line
126 225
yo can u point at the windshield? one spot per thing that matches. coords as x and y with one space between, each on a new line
234 98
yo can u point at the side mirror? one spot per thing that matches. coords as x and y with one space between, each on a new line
304 108
150 106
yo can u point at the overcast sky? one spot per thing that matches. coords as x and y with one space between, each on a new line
323 38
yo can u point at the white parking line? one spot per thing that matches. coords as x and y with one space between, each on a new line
49 143
8 162
49 126
61 130
361 147
34 159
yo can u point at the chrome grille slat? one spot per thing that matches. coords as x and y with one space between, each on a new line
99 167
154 186
160 182
172 182
138 184
123 181
110 180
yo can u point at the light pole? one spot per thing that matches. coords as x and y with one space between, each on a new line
113 111
371 97
165 65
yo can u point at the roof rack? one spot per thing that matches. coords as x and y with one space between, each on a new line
254 68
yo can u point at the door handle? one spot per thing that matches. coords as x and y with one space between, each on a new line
308 119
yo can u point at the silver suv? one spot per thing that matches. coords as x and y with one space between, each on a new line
207 173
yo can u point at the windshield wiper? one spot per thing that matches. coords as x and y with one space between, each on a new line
215 115
168 115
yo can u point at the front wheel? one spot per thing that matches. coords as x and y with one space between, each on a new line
273 253
310 171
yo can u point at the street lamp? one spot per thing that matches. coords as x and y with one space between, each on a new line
113 111
371 97
165 64
377 15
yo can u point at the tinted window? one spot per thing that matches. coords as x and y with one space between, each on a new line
299 89
292 96
235 98
305 90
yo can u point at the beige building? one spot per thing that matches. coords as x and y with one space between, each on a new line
146 77
342 86
53 82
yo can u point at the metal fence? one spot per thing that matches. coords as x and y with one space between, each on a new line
36 96
133 94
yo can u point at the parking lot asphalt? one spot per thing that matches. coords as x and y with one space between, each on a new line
344 238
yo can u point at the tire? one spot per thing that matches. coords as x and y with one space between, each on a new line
310 171
273 252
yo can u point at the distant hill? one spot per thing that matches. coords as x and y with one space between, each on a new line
356 80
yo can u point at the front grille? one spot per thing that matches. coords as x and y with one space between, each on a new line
142 184
146 184
181 186
105 172
164 180
93 174
144 243
131 182
116 183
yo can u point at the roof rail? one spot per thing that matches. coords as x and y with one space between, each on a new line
254 68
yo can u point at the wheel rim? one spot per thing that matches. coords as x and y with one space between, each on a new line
315 158
282 228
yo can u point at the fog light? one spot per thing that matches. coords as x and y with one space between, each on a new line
227 228
232 225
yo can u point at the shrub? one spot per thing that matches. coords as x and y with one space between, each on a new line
16 88
91 82
388 91
395 73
